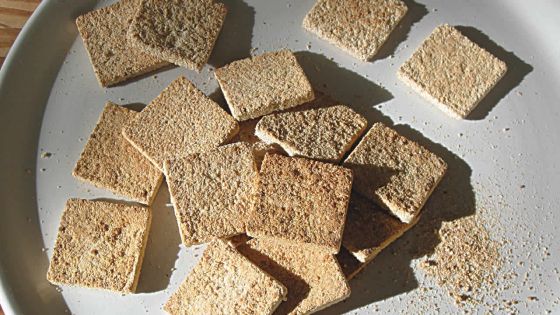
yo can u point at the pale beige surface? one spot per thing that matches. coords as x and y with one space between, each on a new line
324 134
360 27
312 275
100 245
180 31
213 193
109 161
369 229
260 85
301 200
104 34
225 282
395 172
452 71
180 121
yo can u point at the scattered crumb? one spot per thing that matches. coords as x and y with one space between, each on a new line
46 155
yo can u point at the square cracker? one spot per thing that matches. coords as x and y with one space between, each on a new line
109 161
369 229
301 200
104 33
180 31
213 192
260 85
312 275
360 27
100 245
225 282
395 172
180 121
451 71
324 134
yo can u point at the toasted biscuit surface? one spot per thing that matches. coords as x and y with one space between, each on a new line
180 121
312 276
321 134
360 27
395 172
369 229
213 192
452 71
104 34
109 161
100 245
179 31
225 282
260 85
301 200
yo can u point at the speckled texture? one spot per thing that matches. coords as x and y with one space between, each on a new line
180 31
322 134
301 200
452 71
213 192
369 229
264 84
100 245
225 282
180 121
312 275
104 33
109 161
360 27
395 172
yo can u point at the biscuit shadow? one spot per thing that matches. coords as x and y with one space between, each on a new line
390 273
218 97
137 107
163 246
517 69
414 14
143 76
234 41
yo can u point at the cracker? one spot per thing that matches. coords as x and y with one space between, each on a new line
104 34
369 229
225 282
324 134
260 85
313 277
213 192
451 71
180 121
100 245
110 162
180 31
359 27
395 172
301 200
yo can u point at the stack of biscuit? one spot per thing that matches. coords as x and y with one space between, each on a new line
290 190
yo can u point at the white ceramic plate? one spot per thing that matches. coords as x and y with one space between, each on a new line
50 101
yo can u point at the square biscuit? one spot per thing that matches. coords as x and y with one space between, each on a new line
324 134
312 275
179 121
301 200
359 27
100 245
213 193
180 31
451 71
260 85
369 229
396 173
110 162
104 32
225 282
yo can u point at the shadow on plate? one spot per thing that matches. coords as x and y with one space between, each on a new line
517 70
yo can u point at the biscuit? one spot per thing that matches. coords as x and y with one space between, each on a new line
451 71
100 245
